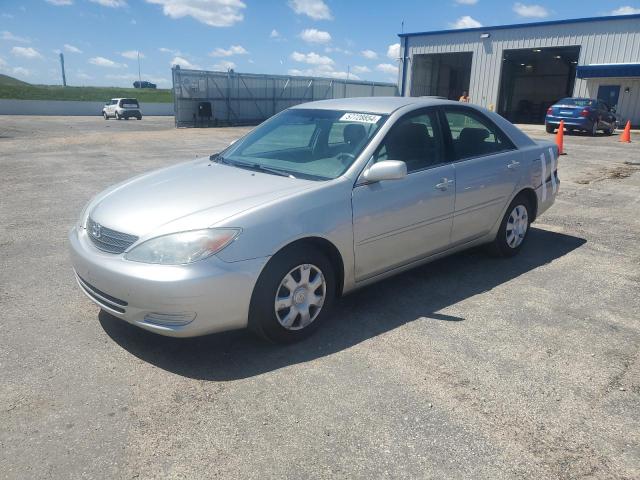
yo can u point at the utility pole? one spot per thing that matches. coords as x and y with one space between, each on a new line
139 76
348 71
64 78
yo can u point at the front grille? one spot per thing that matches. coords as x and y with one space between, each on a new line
109 240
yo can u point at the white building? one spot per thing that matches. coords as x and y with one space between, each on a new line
519 70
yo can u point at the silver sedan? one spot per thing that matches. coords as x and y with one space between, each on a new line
319 200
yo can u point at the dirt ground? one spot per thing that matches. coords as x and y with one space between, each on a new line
468 368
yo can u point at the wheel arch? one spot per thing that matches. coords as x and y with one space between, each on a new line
328 249
530 195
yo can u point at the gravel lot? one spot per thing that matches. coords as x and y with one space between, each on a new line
468 368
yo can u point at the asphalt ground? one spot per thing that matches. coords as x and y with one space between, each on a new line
468 368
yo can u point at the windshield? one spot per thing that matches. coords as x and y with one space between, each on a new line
577 102
306 143
129 102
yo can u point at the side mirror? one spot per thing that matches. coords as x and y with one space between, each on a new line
385 170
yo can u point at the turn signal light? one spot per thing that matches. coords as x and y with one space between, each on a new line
549 111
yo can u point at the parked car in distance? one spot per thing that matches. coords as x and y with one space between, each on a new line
120 108
584 114
321 199
143 84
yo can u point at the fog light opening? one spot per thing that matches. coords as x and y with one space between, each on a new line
170 319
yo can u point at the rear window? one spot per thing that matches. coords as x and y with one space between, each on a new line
577 102
129 102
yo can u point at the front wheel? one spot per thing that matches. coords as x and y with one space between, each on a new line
550 128
513 229
293 295
104 114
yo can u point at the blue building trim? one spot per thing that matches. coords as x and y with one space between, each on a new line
524 25
604 71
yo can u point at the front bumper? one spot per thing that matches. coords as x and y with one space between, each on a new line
216 294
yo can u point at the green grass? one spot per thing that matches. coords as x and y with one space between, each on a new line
15 89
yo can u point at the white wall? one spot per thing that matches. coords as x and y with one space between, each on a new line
68 107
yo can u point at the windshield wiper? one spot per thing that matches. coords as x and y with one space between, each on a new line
262 168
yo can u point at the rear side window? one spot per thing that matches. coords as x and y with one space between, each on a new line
472 135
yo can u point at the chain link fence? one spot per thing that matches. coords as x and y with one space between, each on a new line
210 99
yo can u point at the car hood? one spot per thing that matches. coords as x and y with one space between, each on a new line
188 196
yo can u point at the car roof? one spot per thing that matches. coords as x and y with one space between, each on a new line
382 105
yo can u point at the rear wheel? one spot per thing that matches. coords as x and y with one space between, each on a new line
610 131
139 118
293 295
550 128
513 229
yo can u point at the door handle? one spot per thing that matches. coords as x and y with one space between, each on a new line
513 164
444 184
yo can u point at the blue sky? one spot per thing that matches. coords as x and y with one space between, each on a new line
101 38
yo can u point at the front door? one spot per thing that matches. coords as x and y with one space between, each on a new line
398 221
488 168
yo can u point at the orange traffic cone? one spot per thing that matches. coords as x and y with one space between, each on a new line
626 135
560 138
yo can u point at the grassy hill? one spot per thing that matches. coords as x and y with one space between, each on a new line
16 89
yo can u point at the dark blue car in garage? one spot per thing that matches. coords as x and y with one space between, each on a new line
584 114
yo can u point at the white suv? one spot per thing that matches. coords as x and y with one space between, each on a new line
120 108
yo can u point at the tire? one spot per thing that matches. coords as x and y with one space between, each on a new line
104 114
610 131
139 118
267 320
550 128
118 117
506 244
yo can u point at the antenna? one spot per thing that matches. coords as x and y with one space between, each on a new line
402 26
64 78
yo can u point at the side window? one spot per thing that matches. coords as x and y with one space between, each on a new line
113 102
416 140
474 136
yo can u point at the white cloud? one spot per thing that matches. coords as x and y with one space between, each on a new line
25 52
83 76
184 63
338 49
626 10
466 2
393 51
466 22
105 62
21 71
229 52
175 53
316 9
60 3
13 38
387 68
122 76
274 34
71 48
530 11
110 3
360 69
215 13
311 35
132 54
370 54
3 62
7 15
311 58
224 65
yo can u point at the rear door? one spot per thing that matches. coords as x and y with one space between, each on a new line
487 168
398 221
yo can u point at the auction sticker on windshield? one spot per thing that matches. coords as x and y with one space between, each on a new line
359 117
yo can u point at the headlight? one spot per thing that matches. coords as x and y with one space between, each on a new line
183 247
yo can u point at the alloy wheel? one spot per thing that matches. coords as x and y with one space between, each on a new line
300 297
517 226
